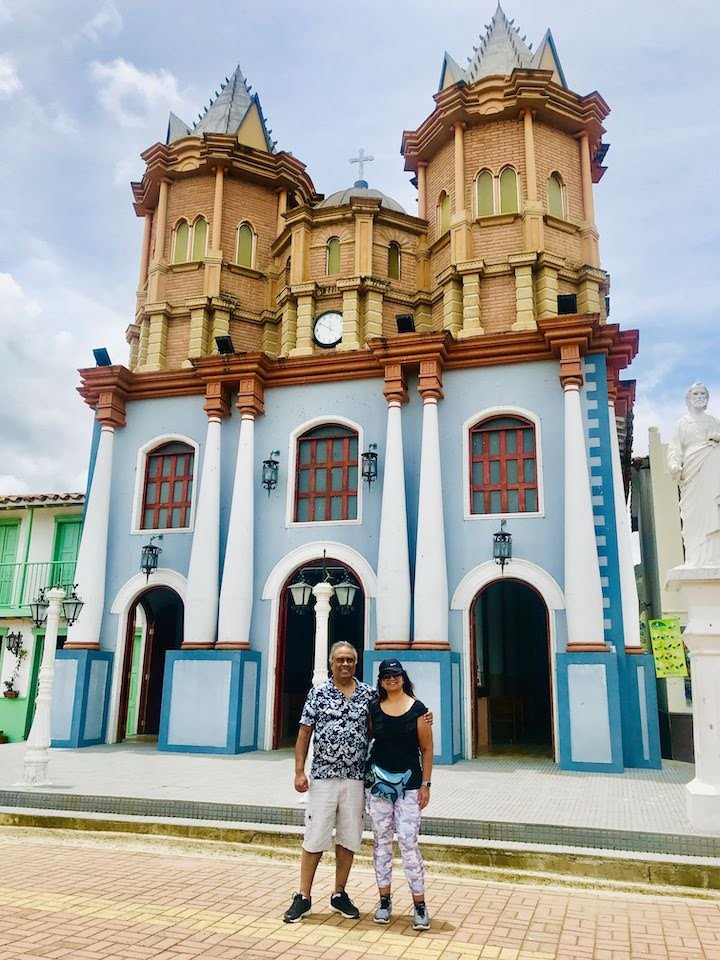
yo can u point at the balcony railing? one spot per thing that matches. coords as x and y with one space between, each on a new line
20 583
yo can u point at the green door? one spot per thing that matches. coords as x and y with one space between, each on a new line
134 688
9 533
65 551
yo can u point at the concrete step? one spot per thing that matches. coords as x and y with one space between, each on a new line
483 859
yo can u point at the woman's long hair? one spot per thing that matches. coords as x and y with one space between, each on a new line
408 687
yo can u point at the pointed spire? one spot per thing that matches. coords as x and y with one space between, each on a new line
233 106
501 50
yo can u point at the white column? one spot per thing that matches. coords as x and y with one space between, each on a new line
583 590
201 594
431 586
92 555
236 592
628 585
393 571
700 590
38 741
322 592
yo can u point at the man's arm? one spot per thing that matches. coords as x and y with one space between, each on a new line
302 745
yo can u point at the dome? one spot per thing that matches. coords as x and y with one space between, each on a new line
361 189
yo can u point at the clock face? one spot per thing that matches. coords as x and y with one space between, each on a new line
327 329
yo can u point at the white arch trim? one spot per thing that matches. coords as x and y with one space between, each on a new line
472 583
126 597
139 491
272 591
469 587
503 411
292 472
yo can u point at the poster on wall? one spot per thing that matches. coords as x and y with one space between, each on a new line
667 647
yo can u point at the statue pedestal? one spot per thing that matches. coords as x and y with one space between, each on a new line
700 588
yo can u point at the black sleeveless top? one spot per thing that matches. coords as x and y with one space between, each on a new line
396 747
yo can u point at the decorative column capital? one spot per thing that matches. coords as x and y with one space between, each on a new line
251 395
395 383
430 385
217 400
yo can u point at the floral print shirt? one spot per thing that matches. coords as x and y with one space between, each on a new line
340 728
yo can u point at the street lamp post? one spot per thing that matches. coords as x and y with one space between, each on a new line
38 754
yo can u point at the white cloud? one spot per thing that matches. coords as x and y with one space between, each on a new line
9 483
9 80
106 21
129 94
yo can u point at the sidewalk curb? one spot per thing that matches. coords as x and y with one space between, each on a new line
490 860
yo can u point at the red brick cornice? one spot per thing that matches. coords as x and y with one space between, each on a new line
567 338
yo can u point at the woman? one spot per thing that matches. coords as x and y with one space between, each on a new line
401 739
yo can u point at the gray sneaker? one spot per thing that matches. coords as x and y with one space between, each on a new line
384 910
421 918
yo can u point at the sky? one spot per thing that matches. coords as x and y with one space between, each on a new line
86 86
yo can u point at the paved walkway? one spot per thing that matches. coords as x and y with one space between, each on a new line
510 789
83 899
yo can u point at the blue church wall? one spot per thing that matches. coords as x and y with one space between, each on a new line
589 712
639 714
80 697
531 387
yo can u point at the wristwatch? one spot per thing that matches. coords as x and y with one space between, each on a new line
426 783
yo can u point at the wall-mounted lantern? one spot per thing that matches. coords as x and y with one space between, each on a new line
39 608
369 464
149 557
13 642
270 471
502 545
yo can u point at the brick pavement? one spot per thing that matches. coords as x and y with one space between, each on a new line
87 899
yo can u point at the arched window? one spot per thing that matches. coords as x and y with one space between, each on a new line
485 194
555 196
199 238
167 494
245 238
180 247
332 264
508 191
394 261
503 467
326 482
443 208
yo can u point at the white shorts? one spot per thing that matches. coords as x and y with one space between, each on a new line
338 804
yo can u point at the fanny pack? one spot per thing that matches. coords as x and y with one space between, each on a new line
382 783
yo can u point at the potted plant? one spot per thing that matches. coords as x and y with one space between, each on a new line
10 691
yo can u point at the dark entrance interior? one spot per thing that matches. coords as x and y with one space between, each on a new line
296 645
513 702
144 662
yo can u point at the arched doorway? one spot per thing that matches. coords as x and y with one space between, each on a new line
511 670
296 643
154 626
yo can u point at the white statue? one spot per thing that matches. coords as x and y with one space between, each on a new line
693 459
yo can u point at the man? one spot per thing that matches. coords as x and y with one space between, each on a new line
337 713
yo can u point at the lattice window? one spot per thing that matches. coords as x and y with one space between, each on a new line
326 481
167 495
503 466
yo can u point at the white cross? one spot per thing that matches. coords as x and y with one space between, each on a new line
361 160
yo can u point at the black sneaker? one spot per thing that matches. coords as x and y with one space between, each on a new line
342 904
299 908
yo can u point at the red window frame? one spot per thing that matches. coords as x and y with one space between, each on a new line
480 463
321 442
172 463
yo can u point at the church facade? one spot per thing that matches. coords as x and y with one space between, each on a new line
330 410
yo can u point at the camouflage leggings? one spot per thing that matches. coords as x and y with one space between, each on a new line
403 818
